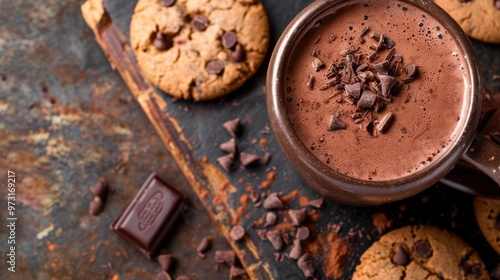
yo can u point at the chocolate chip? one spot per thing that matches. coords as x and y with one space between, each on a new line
233 127
96 206
316 203
305 263
238 53
237 233
298 216
422 249
273 202
353 90
200 22
296 251
254 196
387 83
270 219
401 256
226 162
215 67
229 146
163 276
274 236
167 3
367 100
100 189
203 246
385 123
302 233
226 256
335 123
162 42
351 237
248 159
236 272
497 4
229 40
166 261
310 83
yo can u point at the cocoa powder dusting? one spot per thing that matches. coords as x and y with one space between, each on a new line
336 253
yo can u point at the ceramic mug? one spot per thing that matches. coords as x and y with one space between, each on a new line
469 146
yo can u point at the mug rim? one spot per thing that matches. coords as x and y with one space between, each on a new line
332 183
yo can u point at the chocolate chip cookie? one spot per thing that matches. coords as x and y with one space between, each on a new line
420 252
480 19
488 218
199 49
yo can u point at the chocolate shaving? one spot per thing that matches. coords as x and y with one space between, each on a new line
274 236
335 123
385 123
381 68
248 159
367 100
229 146
387 82
232 127
237 233
298 216
273 202
310 83
226 256
353 90
166 261
411 73
305 263
296 251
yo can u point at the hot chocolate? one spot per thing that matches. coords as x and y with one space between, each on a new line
375 89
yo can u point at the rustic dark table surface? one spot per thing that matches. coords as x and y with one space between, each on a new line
67 118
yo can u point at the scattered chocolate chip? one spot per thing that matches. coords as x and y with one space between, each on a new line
233 127
401 256
238 53
302 233
229 146
100 189
215 67
369 128
298 216
166 261
203 246
200 22
227 257
385 123
422 249
387 82
226 162
270 219
305 263
96 206
167 3
248 159
274 236
273 202
367 100
317 63
296 251
162 42
229 40
237 233
335 123
316 203
310 83
163 276
236 272
353 90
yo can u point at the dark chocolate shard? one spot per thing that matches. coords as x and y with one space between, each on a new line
248 159
225 256
302 233
335 123
317 63
215 67
236 272
310 82
166 261
229 40
237 233
305 263
387 82
226 162
385 123
296 251
203 246
369 128
238 53
163 276
96 206
367 99
233 127
273 202
270 219
422 249
298 216
200 22
353 90
162 42
229 146
316 203
411 73
381 68
401 256
274 236
100 188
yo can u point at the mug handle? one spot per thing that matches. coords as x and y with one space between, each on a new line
484 155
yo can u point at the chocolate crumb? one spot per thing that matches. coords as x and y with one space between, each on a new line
275 237
200 23
203 246
100 188
233 127
237 233
411 73
215 67
296 251
316 203
422 249
227 256
254 196
166 261
229 40
317 39
401 256
96 206
335 123
270 219
332 38
266 158
310 83
305 263
229 146
385 123
248 159
298 216
302 233
226 162
273 202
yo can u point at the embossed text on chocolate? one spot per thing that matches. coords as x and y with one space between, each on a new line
11 220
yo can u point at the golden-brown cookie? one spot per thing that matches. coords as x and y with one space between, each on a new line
199 49
480 19
488 218
420 252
